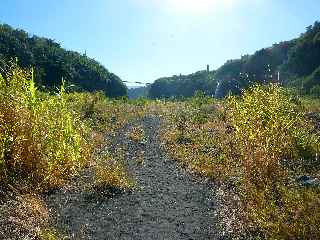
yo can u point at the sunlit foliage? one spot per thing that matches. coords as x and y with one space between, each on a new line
52 63
42 141
259 143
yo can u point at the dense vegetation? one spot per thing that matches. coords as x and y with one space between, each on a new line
183 85
52 63
264 66
42 142
259 146
46 139
137 92
294 63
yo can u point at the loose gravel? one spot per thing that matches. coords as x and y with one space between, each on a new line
168 202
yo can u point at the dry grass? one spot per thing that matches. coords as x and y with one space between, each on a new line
258 144
23 216
46 140
42 143
111 173
137 134
103 114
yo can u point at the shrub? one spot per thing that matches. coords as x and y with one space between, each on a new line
42 143
110 174
270 126
273 138
257 144
137 134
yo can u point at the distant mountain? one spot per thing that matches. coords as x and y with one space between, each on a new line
52 63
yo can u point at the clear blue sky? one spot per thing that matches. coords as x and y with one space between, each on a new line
142 40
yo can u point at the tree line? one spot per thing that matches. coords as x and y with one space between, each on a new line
294 63
183 85
52 63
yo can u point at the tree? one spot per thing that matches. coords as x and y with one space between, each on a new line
52 63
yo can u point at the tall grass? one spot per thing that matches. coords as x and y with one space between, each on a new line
47 139
276 142
42 143
102 114
261 143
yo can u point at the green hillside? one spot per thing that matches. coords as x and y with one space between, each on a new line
137 92
294 63
183 85
52 63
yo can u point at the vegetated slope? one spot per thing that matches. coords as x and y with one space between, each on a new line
183 85
137 92
168 203
52 63
296 63
261 67
304 61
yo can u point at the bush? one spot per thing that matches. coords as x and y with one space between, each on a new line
273 138
110 173
42 143
257 145
269 127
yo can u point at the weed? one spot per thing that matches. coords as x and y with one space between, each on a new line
111 173
270 126
258 142
49 234
41 142
137 134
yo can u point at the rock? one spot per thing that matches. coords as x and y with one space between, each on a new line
308 181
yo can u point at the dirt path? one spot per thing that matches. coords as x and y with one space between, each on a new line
169 202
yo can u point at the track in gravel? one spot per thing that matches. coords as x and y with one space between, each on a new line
170 203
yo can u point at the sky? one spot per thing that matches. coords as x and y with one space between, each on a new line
143 40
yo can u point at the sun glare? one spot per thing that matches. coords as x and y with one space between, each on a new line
197 6
191 7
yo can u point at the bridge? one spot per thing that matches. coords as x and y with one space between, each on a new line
141 83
